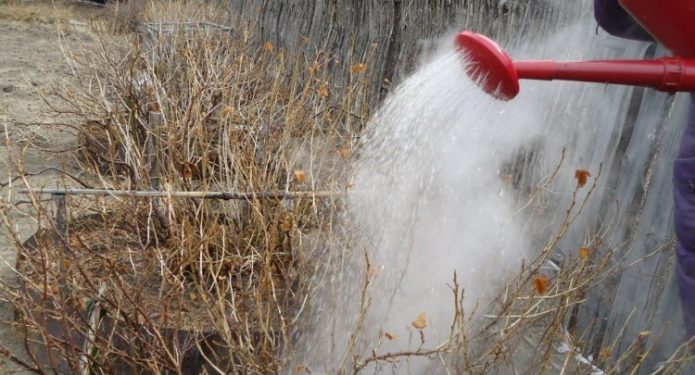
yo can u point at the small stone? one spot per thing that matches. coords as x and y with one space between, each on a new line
8 89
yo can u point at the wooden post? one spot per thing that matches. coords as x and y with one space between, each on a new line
61 242
154 123
61 227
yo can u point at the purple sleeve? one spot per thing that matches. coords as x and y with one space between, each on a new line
611 16
684 186
684 218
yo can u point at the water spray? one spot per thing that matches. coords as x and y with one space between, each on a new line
498 75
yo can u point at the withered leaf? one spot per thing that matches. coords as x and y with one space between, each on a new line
314 68
299 176
344 152
286 225
420 322
605 353
358 68
541 284
389 336
582 176
322 91
268 47
584 253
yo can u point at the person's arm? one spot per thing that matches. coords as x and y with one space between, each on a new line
611 16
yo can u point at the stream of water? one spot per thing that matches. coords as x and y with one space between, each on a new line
442 182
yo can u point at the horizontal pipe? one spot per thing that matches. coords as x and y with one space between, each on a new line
187 194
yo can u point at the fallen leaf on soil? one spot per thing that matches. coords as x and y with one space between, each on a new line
541 284
582 176
584 253
420 322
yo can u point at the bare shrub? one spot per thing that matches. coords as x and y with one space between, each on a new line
175 284
123 16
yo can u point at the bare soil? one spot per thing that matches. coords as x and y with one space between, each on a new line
32 35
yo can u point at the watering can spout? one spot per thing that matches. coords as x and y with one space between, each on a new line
498 75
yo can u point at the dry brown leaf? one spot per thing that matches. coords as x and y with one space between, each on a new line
582 176
358 68
584 253
541 284
268 47
420 322
323 90
299 176
345 152
186 171
286 225
389 336
605 353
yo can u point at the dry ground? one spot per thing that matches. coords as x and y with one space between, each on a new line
32 34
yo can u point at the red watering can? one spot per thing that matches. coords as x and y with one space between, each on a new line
671 22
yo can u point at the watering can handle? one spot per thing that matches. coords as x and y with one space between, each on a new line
669 74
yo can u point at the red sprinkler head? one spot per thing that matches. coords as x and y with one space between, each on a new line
489 66
498 75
